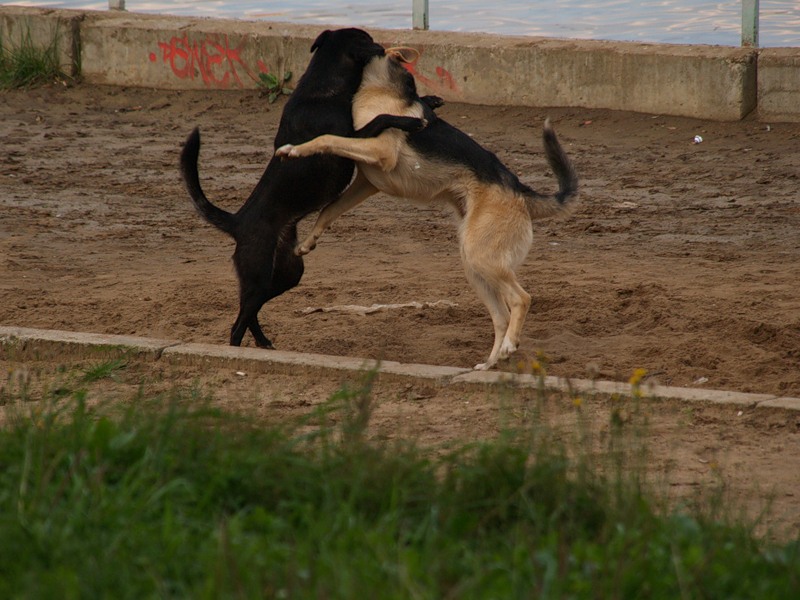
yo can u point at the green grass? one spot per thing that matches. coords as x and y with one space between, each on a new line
25 65
169 497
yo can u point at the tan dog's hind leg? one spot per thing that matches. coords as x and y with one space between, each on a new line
508 306
519 302
359 190
498 311
380 151
495 238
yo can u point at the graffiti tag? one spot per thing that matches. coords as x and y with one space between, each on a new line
213 60
442 82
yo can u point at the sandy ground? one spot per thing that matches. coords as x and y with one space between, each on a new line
682 259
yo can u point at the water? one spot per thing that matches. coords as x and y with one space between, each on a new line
666 21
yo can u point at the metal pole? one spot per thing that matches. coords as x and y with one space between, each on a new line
419 14
116 4
750 23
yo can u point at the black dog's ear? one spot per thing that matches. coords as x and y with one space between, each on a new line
320 39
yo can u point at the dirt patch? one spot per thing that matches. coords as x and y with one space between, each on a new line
682 258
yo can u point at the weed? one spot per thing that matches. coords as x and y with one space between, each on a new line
26 65
103 370
274 86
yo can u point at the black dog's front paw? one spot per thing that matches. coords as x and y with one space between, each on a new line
433 102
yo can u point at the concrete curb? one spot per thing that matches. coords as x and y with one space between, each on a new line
20 344
701 81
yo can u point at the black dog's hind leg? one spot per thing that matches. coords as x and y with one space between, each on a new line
262 341
251 298
263 284
250 302
289 266
253 259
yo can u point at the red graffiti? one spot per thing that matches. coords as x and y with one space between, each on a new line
213 60
444 81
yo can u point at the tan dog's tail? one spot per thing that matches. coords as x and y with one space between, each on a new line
541 206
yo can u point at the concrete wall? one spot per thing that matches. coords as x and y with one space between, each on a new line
711 82
701 81
41 28
779 84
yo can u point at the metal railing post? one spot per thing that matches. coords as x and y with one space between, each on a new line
419 14
419 18
750 23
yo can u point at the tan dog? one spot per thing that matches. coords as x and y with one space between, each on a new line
436 162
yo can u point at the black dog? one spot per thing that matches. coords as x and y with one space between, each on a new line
265 227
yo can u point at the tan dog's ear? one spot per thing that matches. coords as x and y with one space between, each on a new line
320 39
404 54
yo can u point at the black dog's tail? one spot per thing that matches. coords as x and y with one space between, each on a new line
216 216
540 205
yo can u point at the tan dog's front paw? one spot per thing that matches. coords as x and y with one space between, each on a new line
305 247
287 151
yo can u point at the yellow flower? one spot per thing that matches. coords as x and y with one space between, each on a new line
637 377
